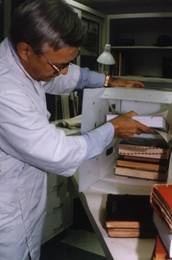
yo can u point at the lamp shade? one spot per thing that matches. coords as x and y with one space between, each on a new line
106 57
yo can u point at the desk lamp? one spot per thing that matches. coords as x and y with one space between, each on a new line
106 58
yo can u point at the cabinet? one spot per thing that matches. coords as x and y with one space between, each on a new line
142 45
97 177
59 207
94 23
90 50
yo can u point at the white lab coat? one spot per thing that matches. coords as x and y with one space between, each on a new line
29 147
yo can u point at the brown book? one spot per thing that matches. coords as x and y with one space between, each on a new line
123 224
123 232
143 151
142 165
141 174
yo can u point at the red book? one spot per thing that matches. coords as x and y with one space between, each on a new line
164 191
160 252
161 200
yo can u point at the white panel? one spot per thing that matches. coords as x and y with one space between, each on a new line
95 108
145 95
94 114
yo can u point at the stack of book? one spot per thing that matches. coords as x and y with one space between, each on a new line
161 201
143 158
129 216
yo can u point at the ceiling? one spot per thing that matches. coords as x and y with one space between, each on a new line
128 6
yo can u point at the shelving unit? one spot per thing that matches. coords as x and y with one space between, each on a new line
142 44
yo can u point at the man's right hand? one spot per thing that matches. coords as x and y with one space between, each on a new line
126 127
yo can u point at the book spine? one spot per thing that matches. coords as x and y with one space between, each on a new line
149 175
142 166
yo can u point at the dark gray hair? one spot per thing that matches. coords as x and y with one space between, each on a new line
37 22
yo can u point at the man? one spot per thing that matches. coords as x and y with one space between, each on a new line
36 58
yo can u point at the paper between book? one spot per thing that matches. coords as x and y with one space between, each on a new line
158 122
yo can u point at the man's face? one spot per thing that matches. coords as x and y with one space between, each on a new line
50 63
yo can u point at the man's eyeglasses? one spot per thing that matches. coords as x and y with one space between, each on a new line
58 68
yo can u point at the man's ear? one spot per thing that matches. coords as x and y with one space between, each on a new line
24 51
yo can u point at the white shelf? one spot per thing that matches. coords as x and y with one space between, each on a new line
147 79
142 47
115 248
122 185
140 15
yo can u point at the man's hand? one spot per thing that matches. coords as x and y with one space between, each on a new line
117 82
126 127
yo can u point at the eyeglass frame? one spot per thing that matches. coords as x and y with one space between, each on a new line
58 68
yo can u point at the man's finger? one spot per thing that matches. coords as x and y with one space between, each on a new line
131 114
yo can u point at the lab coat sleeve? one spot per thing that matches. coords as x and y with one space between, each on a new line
98 139
76 78
26 135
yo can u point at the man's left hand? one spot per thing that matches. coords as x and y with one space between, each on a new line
124 83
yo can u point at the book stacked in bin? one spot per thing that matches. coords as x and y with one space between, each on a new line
161 201
129 216
143 158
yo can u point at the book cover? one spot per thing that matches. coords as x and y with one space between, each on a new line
129 211
164 192
164 233
159 208
161 202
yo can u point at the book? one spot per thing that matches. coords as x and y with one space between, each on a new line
130 213
158 122
142 165
143 159
141 174
161 201
164 191
164 233
143 151
160 252
123 232
128 233
154 141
